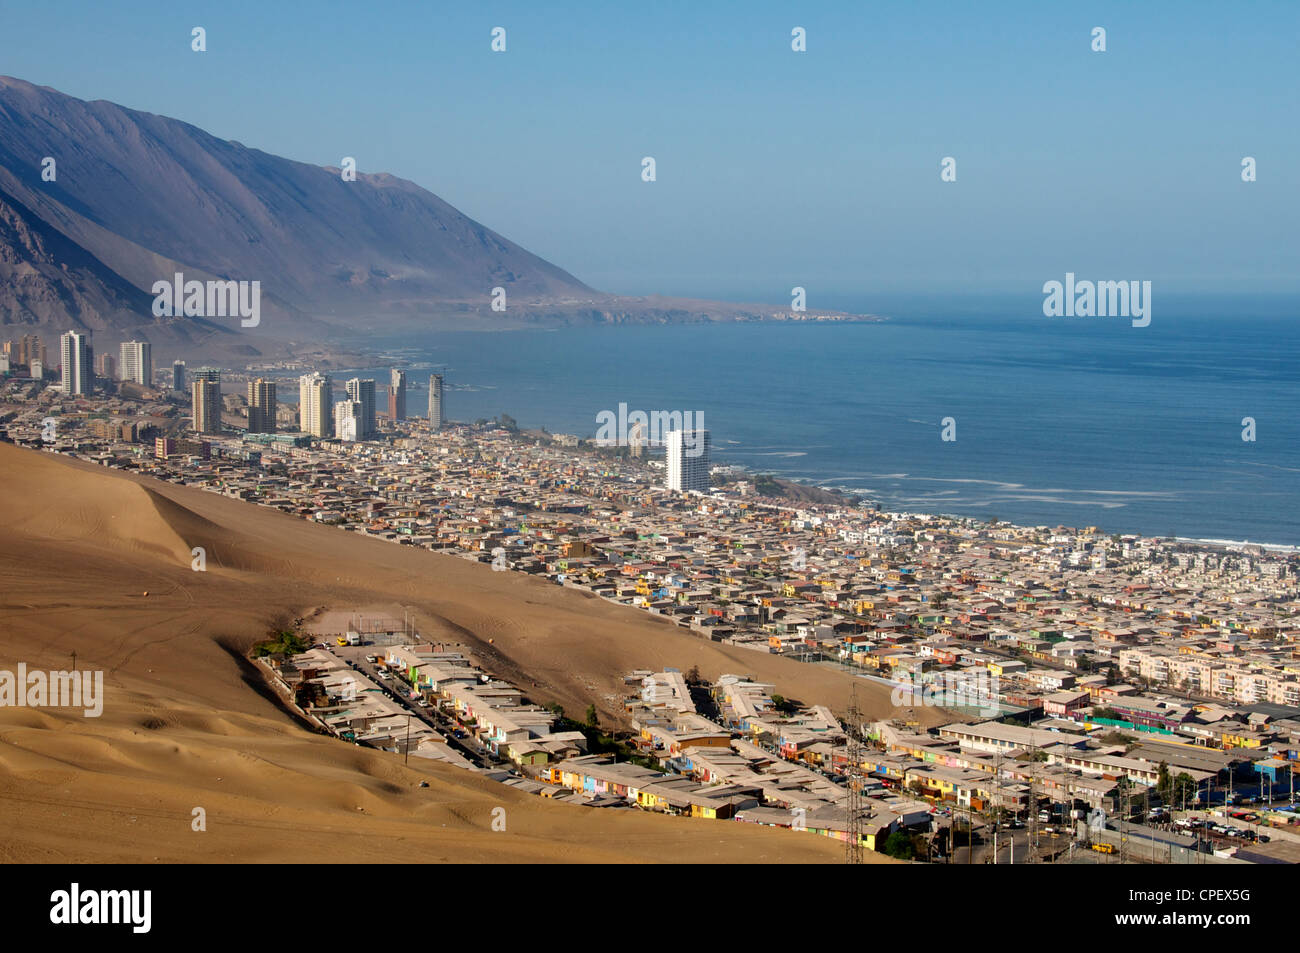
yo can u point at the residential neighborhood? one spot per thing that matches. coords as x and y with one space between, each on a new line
1079 667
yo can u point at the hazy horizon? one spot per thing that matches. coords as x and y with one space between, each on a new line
774 168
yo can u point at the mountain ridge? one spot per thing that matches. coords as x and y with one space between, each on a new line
137 197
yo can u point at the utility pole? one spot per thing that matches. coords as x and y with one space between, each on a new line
1033 809
408 738
970 836
997 804
1123 814
74 660
853 751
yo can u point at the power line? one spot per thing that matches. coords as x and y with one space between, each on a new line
853 728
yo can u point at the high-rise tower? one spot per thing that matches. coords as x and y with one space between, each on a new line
316 405
261 406
205 392
363 392
397 395
77 373
688 460
435 402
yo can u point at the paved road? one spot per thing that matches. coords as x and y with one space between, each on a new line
469 747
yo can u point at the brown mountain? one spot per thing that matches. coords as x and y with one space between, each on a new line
137 197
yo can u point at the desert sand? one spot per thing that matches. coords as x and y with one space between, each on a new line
188 724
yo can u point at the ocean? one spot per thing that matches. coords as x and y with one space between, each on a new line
1057 421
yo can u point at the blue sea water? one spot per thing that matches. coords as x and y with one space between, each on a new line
1074 421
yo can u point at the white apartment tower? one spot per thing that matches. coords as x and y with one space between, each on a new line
77 374
688 460
348 419
363 393
135 362
315 405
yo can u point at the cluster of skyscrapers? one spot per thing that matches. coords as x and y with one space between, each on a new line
353 418
24 350
78 363
688 452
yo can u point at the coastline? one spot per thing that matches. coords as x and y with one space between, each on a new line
802 493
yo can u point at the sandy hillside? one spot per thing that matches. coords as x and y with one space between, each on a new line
184 728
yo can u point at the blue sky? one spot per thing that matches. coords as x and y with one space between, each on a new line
775 168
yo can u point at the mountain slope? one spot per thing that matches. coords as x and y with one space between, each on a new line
146 194
48 276
138 197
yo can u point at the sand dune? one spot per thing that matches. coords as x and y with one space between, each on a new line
184 728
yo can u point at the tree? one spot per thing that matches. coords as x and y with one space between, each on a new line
783 704
1164 782
592 718
693 676
899 845
1183 789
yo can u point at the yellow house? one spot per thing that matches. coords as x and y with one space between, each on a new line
1237 741
652 801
